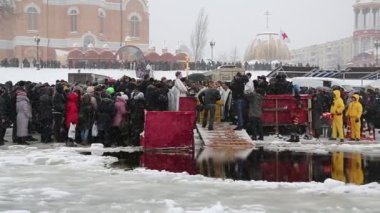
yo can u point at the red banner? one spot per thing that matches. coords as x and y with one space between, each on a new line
168 129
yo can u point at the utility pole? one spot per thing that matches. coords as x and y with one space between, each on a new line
121 23
377 45
37 40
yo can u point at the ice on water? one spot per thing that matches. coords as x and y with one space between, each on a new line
60 179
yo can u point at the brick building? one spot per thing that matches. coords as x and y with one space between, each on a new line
70 24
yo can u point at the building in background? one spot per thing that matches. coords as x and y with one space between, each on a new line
63 26
360 50
366 32
329 55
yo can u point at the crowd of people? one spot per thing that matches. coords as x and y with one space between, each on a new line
113 113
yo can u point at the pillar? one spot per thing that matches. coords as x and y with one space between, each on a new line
374 21
357 19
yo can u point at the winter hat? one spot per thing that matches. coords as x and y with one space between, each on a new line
110 90
78 88
90 90
124 96
21 93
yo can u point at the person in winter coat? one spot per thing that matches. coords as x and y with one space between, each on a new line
179 90
119 118
208 99
72 108
336 110
24 115
317 111
137 115
59 105
45 111
237 88
4 112
85 118
106 112
354 113
255 100
19 87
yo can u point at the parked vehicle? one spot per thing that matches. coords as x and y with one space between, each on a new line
224 73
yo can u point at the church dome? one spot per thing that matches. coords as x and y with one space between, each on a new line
268 47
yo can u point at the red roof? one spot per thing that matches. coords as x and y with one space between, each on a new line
75 54
152 57
167 57
106 55
91 55
181 57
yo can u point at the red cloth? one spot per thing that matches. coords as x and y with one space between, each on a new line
187 103
72 109
168 129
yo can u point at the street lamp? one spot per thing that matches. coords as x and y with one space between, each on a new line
377 45
212 45
37 40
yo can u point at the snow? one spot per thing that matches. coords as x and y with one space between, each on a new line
51 75
53 178
60 179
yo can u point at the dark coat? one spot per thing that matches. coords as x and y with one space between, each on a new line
86 113
255 101
106 112
237 87
59 101
209 96
317 111
45 107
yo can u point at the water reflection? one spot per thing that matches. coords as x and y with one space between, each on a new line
259 164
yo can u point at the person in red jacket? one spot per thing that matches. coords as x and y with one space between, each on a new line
72 107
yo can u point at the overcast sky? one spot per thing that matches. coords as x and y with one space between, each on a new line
234 23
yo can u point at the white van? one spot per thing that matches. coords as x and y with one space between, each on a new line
314 82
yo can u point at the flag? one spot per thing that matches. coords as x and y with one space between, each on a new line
284 37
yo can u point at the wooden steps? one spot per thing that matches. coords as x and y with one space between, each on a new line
224 136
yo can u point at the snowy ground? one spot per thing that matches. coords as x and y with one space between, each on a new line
53 178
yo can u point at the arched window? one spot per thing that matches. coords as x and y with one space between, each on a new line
102 17
73 13
135 26
88 42
32 18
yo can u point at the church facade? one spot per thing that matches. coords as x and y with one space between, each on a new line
63 25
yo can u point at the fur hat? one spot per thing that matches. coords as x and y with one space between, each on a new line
90 90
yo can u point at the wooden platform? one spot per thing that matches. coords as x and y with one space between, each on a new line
223 135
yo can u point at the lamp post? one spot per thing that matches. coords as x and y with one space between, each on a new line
377 45
212 45
37 40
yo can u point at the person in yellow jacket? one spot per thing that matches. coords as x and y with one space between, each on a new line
354 113
336 110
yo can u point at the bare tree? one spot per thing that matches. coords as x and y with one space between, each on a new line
234 55
6 8
199 35
223 57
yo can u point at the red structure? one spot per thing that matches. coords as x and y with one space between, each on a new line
77 56
170 129
280 110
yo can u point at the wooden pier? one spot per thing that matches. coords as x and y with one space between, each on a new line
223 135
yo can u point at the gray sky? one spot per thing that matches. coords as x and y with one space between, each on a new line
234 23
